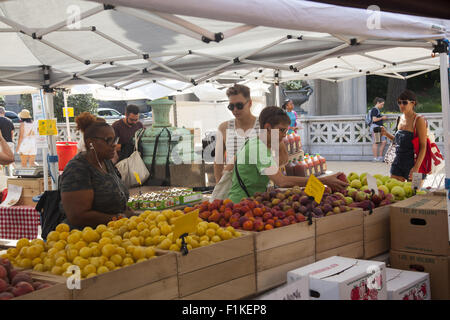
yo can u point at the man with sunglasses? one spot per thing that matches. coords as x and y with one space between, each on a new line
231 135
125 129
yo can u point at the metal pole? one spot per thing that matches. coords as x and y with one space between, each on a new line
49 114
446 123
277 76
67 116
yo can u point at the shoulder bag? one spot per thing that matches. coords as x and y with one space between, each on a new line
153 181
390 153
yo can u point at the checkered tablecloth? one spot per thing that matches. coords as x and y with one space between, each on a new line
19 222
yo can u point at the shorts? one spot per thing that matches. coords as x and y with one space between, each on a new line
402 165
383 138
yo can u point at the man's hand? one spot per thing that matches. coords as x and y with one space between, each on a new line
384 117
333 182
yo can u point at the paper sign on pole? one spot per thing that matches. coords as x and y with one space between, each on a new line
372 183
48 127
315 188
185 224
70 110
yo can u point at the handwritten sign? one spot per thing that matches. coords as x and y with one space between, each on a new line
136 175
68 110
372 183
185 224
315 188
47 127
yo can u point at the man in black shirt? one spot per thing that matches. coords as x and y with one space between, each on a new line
7 131
377 121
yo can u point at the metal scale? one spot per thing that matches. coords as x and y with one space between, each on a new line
29 172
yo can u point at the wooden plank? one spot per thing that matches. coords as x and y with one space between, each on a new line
274 257
339 221
376 247
352 250
232 290
280 236
274 277
202 257
165 289
213 275
377 224
339 238
55 292
127 278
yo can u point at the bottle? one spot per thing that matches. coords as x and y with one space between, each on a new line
310 164
298 144
301 169
316 162
291 144
323 164
289 168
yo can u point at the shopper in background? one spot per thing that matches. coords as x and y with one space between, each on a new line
6 155
288 106
7 131
255 175
377 121
125 129
26 146
409 125
92 192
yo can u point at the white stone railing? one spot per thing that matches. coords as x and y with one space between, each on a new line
348 137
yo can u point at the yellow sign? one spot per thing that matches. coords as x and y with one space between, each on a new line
315 188
47 127
137 178
70 111
185 224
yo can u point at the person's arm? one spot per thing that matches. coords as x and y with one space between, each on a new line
78 208
421 128
219 157
6 156
117 133
21 133
290 181
386 134
376 119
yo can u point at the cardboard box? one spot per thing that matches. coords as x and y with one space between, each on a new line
31 187
296 290
438 267
339 278
407 285
377 232
420 224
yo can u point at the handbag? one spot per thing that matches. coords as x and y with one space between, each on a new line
134 163
391 151
433 160
152 181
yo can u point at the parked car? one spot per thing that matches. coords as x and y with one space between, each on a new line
145 115
12 116
107 114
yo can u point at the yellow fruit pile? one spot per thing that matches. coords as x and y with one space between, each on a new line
119 244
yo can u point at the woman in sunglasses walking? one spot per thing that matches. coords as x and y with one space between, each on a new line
409 125
92 192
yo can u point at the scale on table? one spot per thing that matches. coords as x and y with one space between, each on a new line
31 172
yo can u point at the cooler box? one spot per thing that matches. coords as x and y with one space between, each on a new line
66 150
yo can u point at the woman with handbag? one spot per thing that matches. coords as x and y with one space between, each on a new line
411 128
255 165
92 192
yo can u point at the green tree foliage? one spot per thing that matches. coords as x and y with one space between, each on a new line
79 102
2 101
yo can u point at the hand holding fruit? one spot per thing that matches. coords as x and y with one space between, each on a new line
334 182
413 170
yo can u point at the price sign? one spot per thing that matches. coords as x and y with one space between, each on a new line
185 224
372 183
47 127
137 178
315 188
69 111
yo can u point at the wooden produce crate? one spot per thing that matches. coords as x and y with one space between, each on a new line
377 232
152 279
224 270
31 187
281 250
341 235
58 290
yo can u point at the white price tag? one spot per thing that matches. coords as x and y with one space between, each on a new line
372 183
416 181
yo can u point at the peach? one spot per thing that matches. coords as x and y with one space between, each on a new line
3 285
258 225
6 296
270 221
268 227
227 214
222 222
286 221
205 215
236 225
248 214
248 225
278 223
3 272
257 212
227 201
21 277
267 216
22 288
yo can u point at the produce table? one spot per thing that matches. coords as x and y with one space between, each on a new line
19 222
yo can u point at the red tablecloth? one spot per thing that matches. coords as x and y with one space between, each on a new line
19 222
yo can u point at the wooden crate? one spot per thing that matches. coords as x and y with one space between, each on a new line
352 250
278 248
206 268
377 232
151 279
58 290
340 230
31 187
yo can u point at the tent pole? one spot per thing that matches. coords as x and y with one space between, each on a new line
444 70
51 140
67 116
277 77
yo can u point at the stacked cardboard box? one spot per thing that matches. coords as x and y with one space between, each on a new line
420 240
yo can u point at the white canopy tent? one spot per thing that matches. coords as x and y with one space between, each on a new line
128 44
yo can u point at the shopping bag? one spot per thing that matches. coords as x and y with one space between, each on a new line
222 189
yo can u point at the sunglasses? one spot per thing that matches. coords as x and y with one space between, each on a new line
110 141
403 102
238 105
